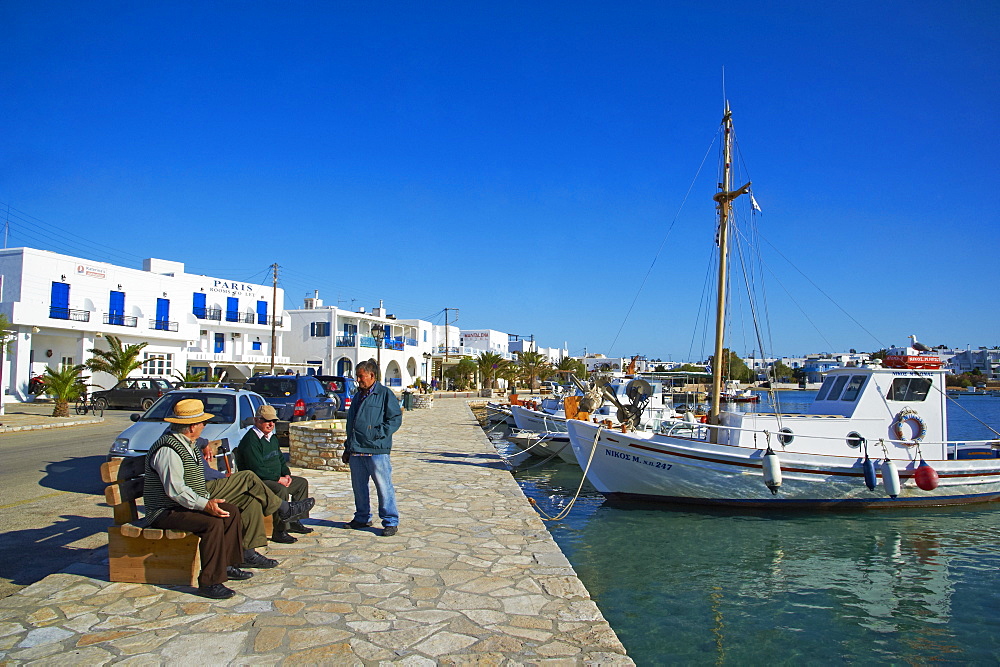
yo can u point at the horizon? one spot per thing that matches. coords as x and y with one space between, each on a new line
531 166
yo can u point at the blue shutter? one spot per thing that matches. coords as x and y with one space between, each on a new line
220 343
232 309
262 312
116 308
199 306
59 301
162 314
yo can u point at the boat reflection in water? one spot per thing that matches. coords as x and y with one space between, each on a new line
717 585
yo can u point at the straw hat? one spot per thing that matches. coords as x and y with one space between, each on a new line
189 411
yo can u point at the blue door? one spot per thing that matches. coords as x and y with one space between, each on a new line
262 312
232 309
163 314
116 308
199 306
220 343
59 301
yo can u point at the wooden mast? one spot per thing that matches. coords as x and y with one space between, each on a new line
724 199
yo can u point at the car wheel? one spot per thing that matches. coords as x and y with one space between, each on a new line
100 404
147 403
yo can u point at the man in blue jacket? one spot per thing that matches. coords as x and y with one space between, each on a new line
373 417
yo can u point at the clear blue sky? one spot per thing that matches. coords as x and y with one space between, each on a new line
522 161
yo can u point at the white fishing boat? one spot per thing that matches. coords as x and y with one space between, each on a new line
876 436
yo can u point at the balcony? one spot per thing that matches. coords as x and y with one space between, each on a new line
347 341
394 382
263 319
368 341
121 320
208 313
412 342
162 325
393 344
233 316
69 314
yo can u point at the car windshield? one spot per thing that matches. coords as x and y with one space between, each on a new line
274 387
222 406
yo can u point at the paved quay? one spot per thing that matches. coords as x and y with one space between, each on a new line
34 416
473 577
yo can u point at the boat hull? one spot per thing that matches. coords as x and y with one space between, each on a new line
691 471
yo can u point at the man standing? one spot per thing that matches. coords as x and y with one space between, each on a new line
373 417
175 497
259 452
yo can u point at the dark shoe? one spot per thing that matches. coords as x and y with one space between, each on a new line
216 592
389 531
284 538
236 574
295 508
357 525
297 527
253 559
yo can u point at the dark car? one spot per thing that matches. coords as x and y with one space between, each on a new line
343 387
133 393
294 397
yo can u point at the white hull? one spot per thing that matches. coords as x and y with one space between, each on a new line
682 470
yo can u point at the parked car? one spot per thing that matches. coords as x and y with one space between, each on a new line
134 393
343 388
294 397
233 409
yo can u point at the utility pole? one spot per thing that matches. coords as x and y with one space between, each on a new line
274 304
446 340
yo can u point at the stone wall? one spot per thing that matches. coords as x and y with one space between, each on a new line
317 445
421 401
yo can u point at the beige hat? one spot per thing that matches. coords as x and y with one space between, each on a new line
267 412
189 411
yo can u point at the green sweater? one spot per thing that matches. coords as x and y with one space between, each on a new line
261 456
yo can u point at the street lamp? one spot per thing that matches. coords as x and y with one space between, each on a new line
378 333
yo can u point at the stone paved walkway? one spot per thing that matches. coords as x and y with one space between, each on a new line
473 577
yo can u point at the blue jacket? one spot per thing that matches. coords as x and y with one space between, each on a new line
371 423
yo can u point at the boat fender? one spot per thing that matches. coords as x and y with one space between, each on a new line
772 471
704 419
890 478
919 426
870 479
925 476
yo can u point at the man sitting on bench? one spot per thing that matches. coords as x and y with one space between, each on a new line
176 498
244 489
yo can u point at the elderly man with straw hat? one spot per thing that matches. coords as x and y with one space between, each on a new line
176 497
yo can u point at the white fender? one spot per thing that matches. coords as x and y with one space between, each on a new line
772 471
890 478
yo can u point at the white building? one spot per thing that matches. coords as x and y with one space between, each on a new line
62 306
331 341
477 341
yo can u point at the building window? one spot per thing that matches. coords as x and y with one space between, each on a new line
163 367
232 309
199 305
319 329
67 362
256 346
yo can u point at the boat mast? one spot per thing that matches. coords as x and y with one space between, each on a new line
724 199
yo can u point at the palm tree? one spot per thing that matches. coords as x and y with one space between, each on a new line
533 366
119 360
64 385
189 378
570 365
489 364
509 372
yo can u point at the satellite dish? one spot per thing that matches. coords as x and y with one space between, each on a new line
638 390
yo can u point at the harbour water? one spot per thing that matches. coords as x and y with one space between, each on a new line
700 586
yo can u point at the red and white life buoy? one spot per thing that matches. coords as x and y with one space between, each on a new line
908 420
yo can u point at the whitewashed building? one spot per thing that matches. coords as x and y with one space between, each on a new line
61 307
477 341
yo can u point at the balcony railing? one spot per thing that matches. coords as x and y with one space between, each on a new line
162 325
347 341
233 316
394 382
208 313
393 344
262 319
69 314
121 320
368 341
412 342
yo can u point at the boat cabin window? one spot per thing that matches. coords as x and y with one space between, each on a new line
909 389
853 388
838 386
827 383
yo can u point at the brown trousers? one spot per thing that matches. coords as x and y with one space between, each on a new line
246 490
297 490
221 539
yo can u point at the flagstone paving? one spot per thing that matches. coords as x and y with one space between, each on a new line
472 576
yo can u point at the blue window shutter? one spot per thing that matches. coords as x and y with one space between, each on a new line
256 346
199 305
59 301
312 328
116 308
262 312
162 314
232 309
220 343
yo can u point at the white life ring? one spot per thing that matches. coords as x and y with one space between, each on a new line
919 427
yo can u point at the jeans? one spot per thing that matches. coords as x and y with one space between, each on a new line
378 468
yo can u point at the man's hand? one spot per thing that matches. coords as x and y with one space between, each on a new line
212 507
285 481
346 456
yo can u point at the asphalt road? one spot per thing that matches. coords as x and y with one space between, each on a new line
52 510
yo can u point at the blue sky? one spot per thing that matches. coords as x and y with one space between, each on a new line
523 161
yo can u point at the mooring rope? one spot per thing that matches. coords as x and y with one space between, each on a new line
562 514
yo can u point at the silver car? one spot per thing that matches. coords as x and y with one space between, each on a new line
233 409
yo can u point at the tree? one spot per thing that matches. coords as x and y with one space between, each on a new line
690 368
189 378
533 366
733 367
570 365
118 360
489 363
781 372
462 373
511 373
64 385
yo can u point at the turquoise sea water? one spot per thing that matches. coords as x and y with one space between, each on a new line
710 586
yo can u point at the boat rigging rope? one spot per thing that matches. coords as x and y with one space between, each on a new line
562 514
